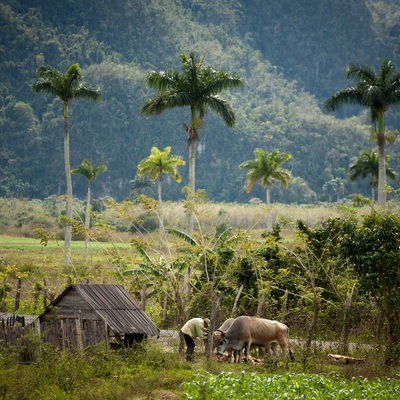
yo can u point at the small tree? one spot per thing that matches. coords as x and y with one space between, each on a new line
266 167
366 164
90 172
157 164
335 186
374 251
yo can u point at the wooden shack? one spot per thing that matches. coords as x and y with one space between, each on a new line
85 314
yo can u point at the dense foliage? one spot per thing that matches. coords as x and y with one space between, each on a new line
334 283
291 58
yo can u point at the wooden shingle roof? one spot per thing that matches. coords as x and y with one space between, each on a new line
115 306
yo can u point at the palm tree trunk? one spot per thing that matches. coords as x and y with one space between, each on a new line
68 212
381 158
372 196
192 166
269 215
160 214
87 222
268 195
192 170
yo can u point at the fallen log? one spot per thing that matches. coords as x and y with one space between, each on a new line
339 359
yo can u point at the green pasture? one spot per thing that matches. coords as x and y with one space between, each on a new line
31 244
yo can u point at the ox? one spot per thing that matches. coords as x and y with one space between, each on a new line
221 330
232 355
246 332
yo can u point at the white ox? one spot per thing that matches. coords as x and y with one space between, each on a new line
221 330
232 355
246 332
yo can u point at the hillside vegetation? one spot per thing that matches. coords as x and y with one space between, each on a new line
291 58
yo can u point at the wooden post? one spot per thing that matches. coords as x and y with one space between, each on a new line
79 339
165 305
106 334
63 333
213 317
346 327
18 294
3 298
37 326
261 302
239 293
143 297
284 306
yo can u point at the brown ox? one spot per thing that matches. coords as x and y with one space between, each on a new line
246 332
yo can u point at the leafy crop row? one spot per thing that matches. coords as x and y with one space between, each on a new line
288 386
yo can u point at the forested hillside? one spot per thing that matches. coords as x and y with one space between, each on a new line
291 56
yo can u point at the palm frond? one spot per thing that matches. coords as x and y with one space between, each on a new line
182 235
222 236
141 251
221 107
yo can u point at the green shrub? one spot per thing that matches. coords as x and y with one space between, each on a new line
147 222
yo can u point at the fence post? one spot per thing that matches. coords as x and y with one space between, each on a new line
213 317
79 339
106 334
18 294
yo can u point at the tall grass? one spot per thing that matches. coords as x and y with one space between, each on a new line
95 373
148 372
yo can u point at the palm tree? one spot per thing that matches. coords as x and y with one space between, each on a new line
329 189
197 87
376 90
90 172
154 166
266 168
66 87
339 185
140 184
366 164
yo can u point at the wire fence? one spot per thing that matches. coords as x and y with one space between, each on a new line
171 342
